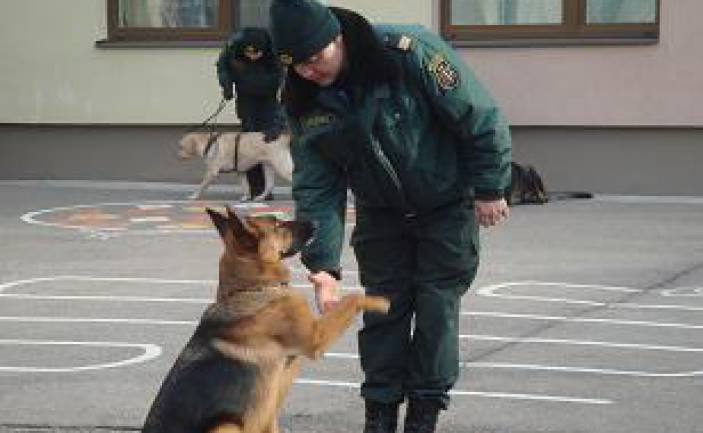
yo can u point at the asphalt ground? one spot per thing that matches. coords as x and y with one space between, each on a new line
586 316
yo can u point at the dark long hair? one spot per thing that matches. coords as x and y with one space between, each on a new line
369 64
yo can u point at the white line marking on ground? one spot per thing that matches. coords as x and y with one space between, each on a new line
494 287
683 292
534 340
579 370
213 283
500 395
10 284
475 313
580 320
44 319
153 206
550 368
151 351
656 307
490 291
342 355
150 220
104 298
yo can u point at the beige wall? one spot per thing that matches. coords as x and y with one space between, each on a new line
51 71
657 85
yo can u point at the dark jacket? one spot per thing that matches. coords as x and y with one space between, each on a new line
256 83
409 129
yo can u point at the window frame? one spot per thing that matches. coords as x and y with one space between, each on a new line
574 29
225 25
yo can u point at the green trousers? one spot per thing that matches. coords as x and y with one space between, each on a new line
423 264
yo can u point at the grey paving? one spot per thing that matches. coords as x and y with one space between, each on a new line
586 316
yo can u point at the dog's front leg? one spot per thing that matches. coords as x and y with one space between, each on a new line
273 428
292 325
330 326
207 180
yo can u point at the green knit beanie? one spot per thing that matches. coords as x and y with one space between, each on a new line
301 29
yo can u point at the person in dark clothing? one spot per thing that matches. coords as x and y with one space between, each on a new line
392 113
247 65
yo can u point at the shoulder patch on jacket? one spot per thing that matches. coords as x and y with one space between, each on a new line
398 41
316 120
444 73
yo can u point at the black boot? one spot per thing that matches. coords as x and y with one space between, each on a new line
381 417
421 416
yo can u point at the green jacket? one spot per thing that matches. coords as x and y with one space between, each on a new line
428 140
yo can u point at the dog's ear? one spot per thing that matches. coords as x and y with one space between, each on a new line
220 221
243 235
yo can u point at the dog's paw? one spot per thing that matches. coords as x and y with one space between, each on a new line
376 303
194 196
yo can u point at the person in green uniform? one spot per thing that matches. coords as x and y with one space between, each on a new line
247 65
393 114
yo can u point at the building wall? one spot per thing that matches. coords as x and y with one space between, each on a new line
650 85
53 73
599 160
620 119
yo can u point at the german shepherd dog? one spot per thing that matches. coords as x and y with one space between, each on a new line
234 373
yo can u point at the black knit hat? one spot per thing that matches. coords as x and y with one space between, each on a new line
257 38
301 29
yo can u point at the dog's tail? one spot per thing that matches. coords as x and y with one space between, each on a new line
569 195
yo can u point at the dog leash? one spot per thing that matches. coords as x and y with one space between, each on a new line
211 140
213 135
223 104
237 140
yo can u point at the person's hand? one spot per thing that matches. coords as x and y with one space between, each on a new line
325 285
228 93
490 213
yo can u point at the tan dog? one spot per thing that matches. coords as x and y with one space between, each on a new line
238 152
234 373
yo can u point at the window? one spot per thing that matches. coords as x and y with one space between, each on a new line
565 21
254 13
182 20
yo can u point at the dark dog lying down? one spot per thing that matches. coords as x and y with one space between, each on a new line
527 187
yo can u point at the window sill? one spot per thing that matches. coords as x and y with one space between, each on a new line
105 43
537 43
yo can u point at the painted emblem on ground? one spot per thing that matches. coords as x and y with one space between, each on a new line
104 220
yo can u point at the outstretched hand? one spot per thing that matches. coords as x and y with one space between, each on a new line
326 296
490 213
